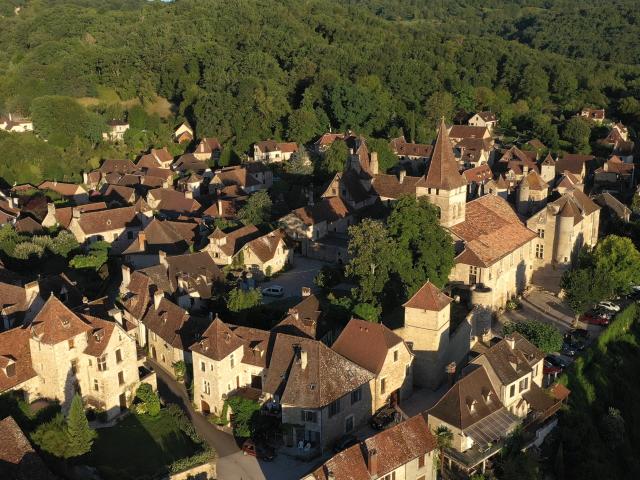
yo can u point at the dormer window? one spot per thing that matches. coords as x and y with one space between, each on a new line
10 369
472 405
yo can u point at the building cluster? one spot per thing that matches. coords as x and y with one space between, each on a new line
513 212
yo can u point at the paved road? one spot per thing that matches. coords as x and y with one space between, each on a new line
232 464
301 275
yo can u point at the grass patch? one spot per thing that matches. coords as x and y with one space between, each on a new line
140 446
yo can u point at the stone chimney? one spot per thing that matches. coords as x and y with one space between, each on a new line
157 297
373 163
162 258
219 201
303 359
510 341
116 314
306 292
32 289
126 275
372 462
51 209
142 241
188 194
401 175
75 213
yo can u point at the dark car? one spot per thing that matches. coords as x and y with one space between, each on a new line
556 361
580 333
568 350
261 451
344 443
574 342
594 318
384 418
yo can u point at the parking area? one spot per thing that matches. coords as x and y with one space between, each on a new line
302 273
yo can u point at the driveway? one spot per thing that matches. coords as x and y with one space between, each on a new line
301 275
232 464
544 307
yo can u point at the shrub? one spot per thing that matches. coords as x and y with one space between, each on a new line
150 402
243 300
244 413
368 312
544 336
180 369
189 462
183 422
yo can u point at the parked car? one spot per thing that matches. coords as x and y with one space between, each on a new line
549 369
567 350
261 451
344 443
574 342
581 333
609 306
273 291
556 361
594 318
384 418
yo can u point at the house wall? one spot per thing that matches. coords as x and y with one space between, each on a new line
397 375
452 203
165 354
459 442
282 256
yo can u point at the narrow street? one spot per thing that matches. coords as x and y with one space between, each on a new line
232 464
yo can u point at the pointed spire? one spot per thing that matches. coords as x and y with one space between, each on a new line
443 169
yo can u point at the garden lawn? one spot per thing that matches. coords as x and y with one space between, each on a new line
139 446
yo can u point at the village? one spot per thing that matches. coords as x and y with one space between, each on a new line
261 310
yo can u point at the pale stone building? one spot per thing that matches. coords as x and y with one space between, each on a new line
270 151
563 228
484 119
532 195
265 255
374 347
224 246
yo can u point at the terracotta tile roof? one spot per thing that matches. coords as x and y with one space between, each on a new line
95 222
429 297
537 144
117 166
302 319
237 175
490 231
170 237
329 209
28 225
189 163
467 131
64 189
349 464
208 145
471 399
402 148
98 338
256 345
266 246
559 391
478 174
218 341
137 296
401 443
573 163
64 215
515 154
548 160
573 203
389 186
443 168
487 116
511 364
534 181
272 146
118 193
169 321
608 200
326 377
18 460
366 344
13 299
170 200
327 139
55 323
14 348
236 239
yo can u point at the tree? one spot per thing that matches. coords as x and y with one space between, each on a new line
335 158
444 440
544 336
438 105
60 119
582 289
299 163
386 158
576 131
424 249
81 436
368 312
613 428
257 210
245 413
149 400
239 300
617 260
94 259
304 125
372 250
53 437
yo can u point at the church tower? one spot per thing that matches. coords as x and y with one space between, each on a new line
427 317
443 185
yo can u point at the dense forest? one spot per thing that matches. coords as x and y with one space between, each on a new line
249 70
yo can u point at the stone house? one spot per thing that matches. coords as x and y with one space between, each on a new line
18 458
412 156
403 452
156 158
69 191
117 226
209 149
250 177
575 164
172 203
494 251
265 255
596 115
15 123
115 130
183 133
478 179
615 175
224 246
563 227
548 169
270 151
73 352
382 352
484 119
19 303
532 194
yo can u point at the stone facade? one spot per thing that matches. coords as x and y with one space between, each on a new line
451 203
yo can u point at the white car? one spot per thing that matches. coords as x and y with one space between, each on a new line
273 291
609 306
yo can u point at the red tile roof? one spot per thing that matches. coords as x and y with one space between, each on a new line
14 347
429 297
443 168
18 460
218 341
55 323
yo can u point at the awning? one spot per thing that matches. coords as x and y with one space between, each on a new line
493 427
